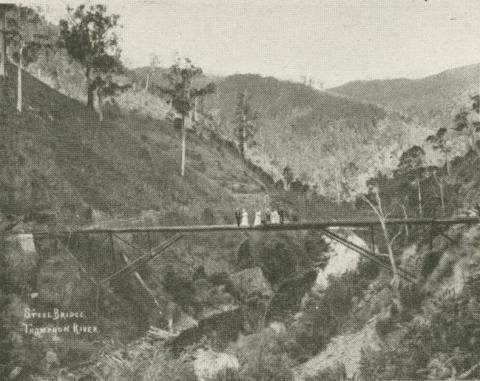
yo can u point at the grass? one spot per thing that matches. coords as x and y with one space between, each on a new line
58 155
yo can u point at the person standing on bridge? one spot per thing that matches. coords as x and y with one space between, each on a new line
266 220
244 222
238 216
275 217
258 219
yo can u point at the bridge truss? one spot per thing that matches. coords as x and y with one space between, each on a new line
327 228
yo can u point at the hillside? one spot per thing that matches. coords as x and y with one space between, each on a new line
287 305
290 117
58 159
435 97
317 134
58 151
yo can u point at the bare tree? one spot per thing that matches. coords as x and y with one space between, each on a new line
382 215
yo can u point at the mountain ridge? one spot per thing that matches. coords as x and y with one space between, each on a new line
435 97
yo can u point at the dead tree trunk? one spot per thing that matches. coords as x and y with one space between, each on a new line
100 104
338 187
419 191
184 143
243 134
3 44
405 215
90 90
447 163
19 80
442 193
382 217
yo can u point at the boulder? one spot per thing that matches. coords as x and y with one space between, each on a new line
184 323
20 255
209 365
251 282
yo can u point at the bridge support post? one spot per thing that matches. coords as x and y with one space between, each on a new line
112 248
372 239
432 232
149 238
97 301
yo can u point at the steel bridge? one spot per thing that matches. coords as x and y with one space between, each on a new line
436 227
325 227
315 225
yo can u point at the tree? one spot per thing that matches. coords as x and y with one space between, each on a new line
244 119
439 180
183 95
345 180
4 32
288 176
465 124
374 200
89 38
154 63
439 142
106 87
412 166
28 37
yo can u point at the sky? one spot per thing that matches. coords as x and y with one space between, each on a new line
332 41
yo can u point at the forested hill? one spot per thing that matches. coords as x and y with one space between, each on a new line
282 104
316 133
436 96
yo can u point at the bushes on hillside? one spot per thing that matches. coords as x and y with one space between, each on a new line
265 356
443 343
323 314
335 373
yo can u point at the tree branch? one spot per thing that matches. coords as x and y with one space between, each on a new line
396 236
374 208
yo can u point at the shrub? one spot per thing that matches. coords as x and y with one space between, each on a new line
336 373
264 356
448 330
270 367
164 367
228 375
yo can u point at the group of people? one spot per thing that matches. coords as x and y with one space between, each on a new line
261 217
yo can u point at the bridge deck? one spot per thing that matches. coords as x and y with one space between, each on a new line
270 227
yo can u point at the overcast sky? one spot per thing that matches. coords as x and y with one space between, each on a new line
334 41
